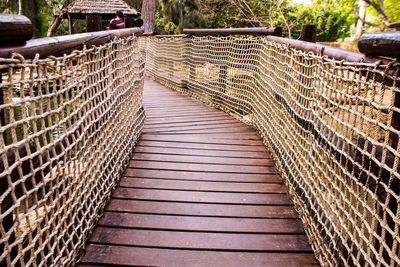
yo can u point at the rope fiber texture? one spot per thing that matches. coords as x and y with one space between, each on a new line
332 127
68 127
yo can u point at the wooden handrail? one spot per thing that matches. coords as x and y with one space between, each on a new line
171 36
236 31
324 50
56 46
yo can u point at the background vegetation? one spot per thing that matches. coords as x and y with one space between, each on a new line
332 17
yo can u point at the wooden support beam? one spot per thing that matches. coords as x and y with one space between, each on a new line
70 25
15 29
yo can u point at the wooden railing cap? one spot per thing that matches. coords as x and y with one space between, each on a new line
15 29
380 44
60 45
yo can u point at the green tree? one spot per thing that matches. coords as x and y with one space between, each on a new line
36 10
8 6
331 17
179 14
330 14
376 15
55 6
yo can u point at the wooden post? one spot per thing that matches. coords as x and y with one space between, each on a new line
309 33
70 25
15 29
93 23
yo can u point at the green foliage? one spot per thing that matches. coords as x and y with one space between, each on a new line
43 18
8 6
178 14
158 23
271 13
174 15
170 28
392 9
392 12
329 16
194 21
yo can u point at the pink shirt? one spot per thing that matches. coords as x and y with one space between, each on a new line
117 21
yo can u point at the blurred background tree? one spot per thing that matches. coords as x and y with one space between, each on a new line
176 15
334 18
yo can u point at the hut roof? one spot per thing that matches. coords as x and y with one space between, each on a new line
102 7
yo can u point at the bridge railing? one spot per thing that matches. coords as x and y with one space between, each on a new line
331 125
68 126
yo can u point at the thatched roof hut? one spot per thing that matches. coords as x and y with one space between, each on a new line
105 8
94 11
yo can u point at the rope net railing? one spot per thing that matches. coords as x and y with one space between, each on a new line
68 126
332 127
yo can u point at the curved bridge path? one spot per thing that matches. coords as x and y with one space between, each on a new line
200 190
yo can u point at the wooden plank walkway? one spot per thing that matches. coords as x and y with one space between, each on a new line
200 190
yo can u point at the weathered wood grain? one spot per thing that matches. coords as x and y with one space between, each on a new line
200 190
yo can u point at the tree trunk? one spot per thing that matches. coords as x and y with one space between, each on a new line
148 12
361 20
180 16
381 12
55 22
57 17
29 9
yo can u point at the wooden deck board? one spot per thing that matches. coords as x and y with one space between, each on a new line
201 197
208 146
213 186
241 140
202 209
201 224
232 155
203 176
203 159
200 190
133 256
184 166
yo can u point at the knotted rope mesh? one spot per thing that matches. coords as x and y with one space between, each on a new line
332 127
68 126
